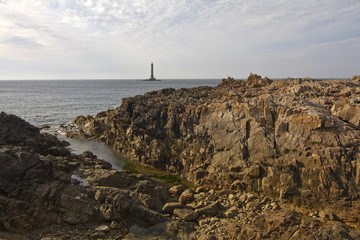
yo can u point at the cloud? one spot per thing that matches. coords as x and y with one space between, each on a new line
202 38
22 42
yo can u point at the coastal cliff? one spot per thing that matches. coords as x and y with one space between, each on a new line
292 139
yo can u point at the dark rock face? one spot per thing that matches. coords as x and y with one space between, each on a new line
290 139
44 188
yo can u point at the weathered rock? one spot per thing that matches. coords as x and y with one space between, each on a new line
290 138
231 212
171 206
177 190
186 197
294 141
186 214
211 210
38 191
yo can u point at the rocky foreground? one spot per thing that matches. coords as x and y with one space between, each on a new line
282 158
48 193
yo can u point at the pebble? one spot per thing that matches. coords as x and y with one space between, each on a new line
102 228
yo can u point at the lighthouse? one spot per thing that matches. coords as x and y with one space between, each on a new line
152 72
152 78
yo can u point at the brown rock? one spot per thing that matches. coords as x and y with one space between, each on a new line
211 210
231 212
186 214
171 206
186 197
177 190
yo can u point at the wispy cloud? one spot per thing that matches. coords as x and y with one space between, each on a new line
201 38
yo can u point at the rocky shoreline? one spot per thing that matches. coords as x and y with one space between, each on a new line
269 160
48 193
295 141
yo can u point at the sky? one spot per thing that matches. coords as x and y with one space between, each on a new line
118 39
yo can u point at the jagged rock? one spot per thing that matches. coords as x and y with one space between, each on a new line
253 128
294 141
37 191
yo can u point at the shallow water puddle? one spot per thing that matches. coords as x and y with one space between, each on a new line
100 149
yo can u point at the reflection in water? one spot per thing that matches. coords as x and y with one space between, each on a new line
103 151
100 149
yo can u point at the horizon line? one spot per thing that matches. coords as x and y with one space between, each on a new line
138 79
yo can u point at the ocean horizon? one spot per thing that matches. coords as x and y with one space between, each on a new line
56 102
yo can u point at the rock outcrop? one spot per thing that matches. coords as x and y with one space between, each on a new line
46 191
294 139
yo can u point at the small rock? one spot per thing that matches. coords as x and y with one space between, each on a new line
212 198
115 225
203 222
206 237
211 210
7 225
98 234
314 215
252 205
176 190
265 200
171 206
243 198
186 214
102 228
250 197
231 197
200 189
328 215
186 197
231 212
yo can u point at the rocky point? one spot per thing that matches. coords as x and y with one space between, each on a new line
281 157
268 160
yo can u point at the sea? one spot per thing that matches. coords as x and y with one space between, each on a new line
55 102
50 103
